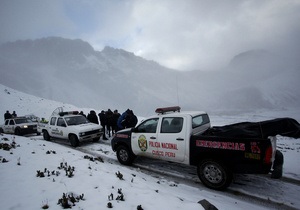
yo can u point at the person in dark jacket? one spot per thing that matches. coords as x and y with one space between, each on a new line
92 117
116 116
130 120
14 114
109 121
103 122
81 113
121 120
7 115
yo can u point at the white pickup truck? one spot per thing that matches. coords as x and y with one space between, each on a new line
70 126
218 152
19 126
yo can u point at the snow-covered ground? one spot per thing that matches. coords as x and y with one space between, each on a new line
95 183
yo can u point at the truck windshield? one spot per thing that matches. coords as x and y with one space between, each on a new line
22 120
76 120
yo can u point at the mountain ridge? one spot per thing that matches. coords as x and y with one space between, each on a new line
71 71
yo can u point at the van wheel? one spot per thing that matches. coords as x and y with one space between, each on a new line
46 136
1 130
124 155
213 174
74 140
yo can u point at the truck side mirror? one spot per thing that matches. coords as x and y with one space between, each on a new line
134 130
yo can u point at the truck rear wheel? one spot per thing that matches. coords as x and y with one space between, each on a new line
213 174
124 155
74 140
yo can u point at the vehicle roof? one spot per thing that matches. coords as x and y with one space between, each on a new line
176 114
67 115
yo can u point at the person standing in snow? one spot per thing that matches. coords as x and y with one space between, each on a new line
130 120
121 120
102 118
92 117
116 116
109 121
7 115
81 113
14 114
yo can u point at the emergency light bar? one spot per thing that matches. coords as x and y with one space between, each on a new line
167 109
67 113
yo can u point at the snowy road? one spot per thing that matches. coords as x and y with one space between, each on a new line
278 194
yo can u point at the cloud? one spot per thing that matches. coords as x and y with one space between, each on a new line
186 35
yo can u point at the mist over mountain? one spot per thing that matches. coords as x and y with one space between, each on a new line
71 71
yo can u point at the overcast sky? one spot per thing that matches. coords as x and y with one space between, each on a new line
180 34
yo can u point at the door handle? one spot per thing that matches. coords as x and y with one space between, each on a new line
152 137
180 139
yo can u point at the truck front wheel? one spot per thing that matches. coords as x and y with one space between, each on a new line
74 140
213 174
18 131
46 135
124 155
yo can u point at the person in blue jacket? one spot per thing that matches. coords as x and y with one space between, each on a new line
121 119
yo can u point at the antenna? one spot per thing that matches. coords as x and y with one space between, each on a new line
177 89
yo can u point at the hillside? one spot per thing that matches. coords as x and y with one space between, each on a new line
97 183
71 71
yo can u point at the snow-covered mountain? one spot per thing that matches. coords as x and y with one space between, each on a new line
71 71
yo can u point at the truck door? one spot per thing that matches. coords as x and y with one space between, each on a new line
6 127
143 138
61 128
53 128
11 126
172 138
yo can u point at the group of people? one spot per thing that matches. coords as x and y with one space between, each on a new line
112 121
8 115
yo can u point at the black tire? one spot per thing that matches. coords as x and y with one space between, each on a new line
213 174
18 132
277 165
46 136
1 130
74 140
96 139
124 155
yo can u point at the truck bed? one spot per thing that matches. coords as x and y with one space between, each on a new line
281 126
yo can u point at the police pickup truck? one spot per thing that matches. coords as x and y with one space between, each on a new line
70 126
218 152
19 126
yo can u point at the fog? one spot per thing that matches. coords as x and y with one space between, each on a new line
71 71
182 35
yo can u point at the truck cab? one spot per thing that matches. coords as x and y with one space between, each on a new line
166 136
163 136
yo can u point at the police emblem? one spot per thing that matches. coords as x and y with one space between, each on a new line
142 143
